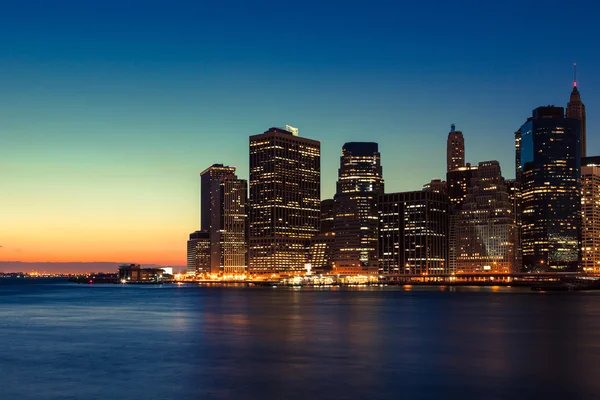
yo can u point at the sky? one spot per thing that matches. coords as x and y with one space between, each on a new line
109 110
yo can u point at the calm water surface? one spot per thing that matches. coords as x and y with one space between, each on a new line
68 341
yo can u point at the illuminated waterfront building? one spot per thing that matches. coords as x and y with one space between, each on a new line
590 213
455 150
485 226
228 225
319 252
437 186
550 190
458 183
198 253
285 200
207 203
413 233
355 223
576 110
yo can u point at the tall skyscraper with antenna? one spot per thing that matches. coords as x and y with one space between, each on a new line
576 110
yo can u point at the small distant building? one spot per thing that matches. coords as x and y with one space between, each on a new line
354 269
135 273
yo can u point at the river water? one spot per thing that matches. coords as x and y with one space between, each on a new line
67 341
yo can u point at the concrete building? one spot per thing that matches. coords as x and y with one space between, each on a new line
455 150
485 225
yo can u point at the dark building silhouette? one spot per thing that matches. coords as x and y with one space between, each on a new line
284 202
576 110
207 178
360 182
455 150
198 253
514 195
413 233
485 225
550 190
327 214
437 186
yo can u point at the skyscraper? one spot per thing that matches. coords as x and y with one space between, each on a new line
198 253
285 199
576 110
455 150
550 190
590 212
413 233
485 226
458 184
355 223
228 225
207 178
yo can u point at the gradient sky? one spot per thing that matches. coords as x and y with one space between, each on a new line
109 110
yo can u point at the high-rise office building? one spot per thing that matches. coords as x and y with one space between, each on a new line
455 150
355 223
590 214
228 225
458 183
207 178
198 253
285 200
413 233
485 226
576 110
550 190
437 186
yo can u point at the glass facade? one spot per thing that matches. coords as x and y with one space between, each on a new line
550 191
413 233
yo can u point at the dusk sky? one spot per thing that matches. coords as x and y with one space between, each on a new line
109 110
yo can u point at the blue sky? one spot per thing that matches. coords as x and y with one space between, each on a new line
109 110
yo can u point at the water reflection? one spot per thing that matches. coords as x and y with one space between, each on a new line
193 342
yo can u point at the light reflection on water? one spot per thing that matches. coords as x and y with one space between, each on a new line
60 341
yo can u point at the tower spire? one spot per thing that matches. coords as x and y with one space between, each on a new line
574 74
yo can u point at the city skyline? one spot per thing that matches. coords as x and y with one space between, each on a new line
102 149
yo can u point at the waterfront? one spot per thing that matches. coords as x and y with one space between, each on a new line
61 341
